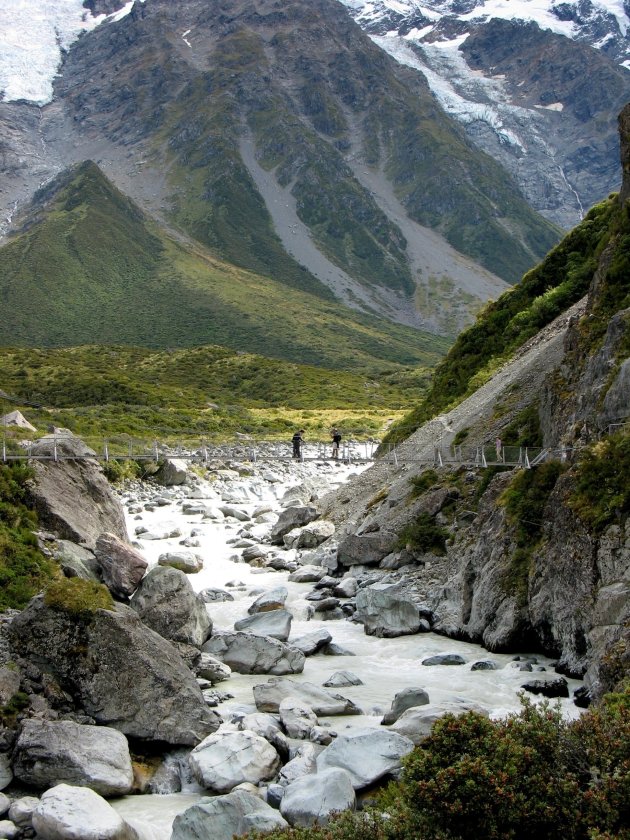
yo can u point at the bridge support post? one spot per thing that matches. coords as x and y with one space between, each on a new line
528 466
105 451
155 450
4 451
55 449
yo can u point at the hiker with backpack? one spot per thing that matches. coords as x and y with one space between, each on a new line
297 440
336 442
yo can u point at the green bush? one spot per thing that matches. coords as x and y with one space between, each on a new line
602 491
529 775
424 534
24 571
78 596
422 482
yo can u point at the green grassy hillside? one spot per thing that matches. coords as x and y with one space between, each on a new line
89 267
560 280
201 392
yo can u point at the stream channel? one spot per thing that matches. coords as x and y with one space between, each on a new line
385 666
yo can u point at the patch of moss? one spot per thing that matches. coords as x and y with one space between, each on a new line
78 596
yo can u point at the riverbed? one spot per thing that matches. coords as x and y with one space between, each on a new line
384 666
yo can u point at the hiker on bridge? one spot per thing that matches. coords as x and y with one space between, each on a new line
297 440
335 434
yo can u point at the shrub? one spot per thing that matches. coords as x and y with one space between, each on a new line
424 534
78 596
24 571
602 491
422 482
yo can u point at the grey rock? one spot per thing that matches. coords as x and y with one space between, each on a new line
212 595
68 813
122 567
173 472
297 717
59 491
5 804
9 830
484 665
312 642
76 561
307 574
185 561
10 679
384 612
313 534
444 659
247 653
346 588
274 599
365 549
340 679
166 602
367 755
290 518
6 774
548 688
21 810
268 727
403 700
53 752
333 649
275 623
269 695
117 670
302 764
315 798
227 759
224 817
235 513
210 668
416 723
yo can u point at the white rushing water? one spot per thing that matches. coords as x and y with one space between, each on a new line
385 666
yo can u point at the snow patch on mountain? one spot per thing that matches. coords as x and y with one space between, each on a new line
34 34
463 93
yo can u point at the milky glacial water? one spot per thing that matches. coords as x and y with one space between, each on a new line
385 666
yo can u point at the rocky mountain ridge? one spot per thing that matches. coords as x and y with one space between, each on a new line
537 88
286 122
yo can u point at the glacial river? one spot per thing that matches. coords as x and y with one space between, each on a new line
385 666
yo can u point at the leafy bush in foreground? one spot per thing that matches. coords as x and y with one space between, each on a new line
530 775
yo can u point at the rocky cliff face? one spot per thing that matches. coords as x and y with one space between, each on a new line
534 557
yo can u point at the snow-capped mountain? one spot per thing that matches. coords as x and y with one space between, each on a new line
537 84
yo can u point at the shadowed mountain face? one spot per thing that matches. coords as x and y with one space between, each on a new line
279 136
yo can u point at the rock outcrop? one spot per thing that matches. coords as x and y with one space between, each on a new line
61 488
117 670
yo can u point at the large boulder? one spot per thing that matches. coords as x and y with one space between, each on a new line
122 567
416 723
269 695
172 473
167 603
311 535
227 759
290 518
76 561
60 490
116 669
365 549
384 612
247 653
224 817
48 753
297 718
77 813
275 623
314 799
367 755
